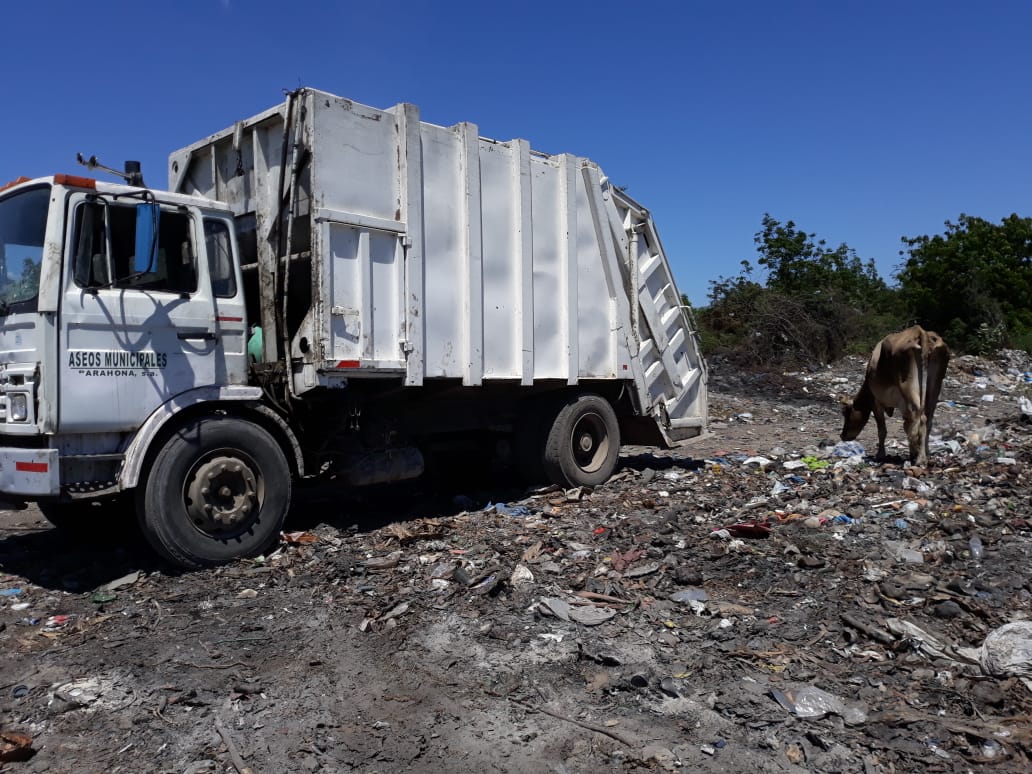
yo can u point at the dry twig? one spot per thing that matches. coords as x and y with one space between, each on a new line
589 726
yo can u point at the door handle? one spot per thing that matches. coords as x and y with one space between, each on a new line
197 336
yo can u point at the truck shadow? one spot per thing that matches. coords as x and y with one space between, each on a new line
73 562
83 562
371 508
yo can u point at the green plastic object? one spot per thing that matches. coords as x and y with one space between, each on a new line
256 345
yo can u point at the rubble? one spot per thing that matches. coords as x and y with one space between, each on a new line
767 600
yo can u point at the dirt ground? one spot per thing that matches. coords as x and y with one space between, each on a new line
760 601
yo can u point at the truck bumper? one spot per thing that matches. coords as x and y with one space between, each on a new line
29 472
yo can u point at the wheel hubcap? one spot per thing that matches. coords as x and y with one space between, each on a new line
590 443
222 494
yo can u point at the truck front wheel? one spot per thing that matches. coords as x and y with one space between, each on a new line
219 489
583 443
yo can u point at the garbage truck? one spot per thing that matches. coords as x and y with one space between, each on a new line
327 292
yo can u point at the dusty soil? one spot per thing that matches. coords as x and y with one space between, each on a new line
417 629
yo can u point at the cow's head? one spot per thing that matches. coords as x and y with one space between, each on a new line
854 419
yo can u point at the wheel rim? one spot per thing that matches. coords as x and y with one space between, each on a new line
223 493
590 442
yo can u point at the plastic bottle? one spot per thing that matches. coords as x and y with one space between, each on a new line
975 547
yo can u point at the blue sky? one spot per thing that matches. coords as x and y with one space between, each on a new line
860 121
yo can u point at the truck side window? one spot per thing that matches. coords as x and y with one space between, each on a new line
105 239
91 264
220 258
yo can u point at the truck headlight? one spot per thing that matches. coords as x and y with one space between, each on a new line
18 406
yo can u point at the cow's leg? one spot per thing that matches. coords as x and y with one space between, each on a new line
916 425
927 431
879 420
936 374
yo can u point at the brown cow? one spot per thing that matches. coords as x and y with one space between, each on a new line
905 371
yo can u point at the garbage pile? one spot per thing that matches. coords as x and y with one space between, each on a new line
770 599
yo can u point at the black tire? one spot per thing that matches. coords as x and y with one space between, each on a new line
583 443
88 517
218 490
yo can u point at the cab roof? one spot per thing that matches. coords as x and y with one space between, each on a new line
112 189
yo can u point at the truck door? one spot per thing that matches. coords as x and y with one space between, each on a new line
133 333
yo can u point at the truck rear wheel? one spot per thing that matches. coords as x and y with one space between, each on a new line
583 443
218 490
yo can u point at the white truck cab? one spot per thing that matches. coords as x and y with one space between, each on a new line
93 339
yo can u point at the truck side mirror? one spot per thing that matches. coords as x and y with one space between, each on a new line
148 216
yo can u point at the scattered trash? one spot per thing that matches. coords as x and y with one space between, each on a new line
1025 405
975 548
927 643
15 747
750 529
640 570
56 622
515 511
395 611
125 580
589 615
903 553
298 538
815 463
675 597
78 693
521 576
1007 651
690 595
808 701
555 607
388 562
848 449
761 462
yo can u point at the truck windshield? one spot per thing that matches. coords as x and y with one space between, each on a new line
23 225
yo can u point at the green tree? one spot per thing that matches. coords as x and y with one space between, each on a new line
973 283
817 302
799 266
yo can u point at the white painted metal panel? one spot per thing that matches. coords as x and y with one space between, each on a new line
439 254
355 158
548 247
445 297
597 342
500 199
